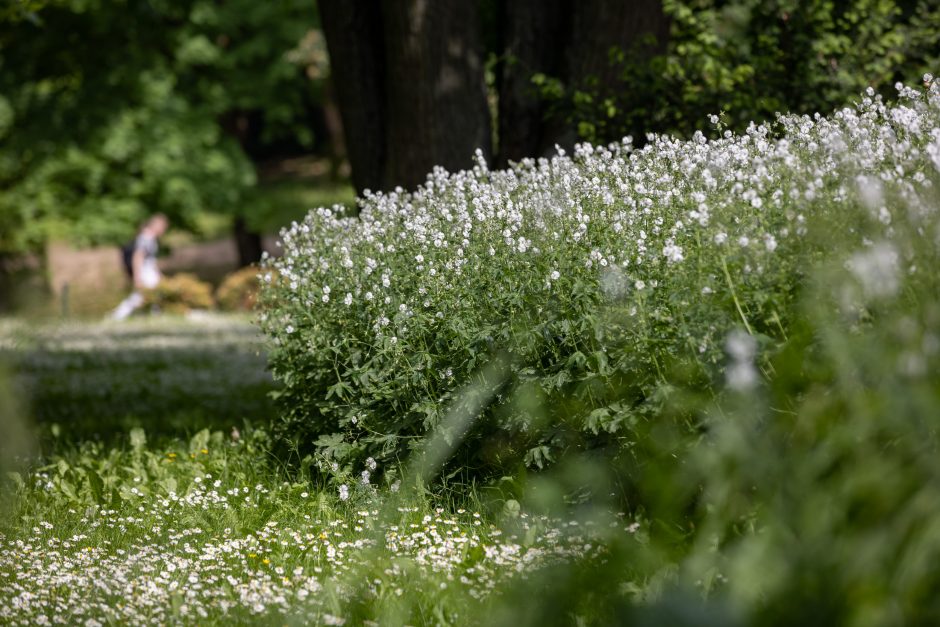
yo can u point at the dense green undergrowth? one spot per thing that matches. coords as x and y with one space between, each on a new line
210 531
121 505
113 512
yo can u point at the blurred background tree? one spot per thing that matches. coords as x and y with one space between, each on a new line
413 91
110 111
556 50
426 84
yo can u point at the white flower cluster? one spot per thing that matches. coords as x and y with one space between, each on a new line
649 213
152 562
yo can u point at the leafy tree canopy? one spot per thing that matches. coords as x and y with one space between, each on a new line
111 110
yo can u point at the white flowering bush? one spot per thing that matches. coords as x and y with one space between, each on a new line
607 279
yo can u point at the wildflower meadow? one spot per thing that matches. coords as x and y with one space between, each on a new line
660 382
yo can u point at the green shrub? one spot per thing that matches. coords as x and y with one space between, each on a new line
239 290
179 294
605 282
808 498
819 486
750 59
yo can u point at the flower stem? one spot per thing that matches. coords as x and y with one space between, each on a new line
734 296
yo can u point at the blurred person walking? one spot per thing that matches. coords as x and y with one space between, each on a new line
140 262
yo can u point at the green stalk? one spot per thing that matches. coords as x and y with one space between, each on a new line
734 296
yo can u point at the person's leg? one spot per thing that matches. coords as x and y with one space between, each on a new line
127 306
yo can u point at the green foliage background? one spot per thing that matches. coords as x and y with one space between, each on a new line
750 59
110 111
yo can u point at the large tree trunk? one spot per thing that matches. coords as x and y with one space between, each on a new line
410 79
354 38
435 88
640 28
599 25
239 125
570 40
533 42
333 121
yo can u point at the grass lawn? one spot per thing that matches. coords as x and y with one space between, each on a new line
167 375
154 500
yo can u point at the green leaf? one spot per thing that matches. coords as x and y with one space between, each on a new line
17 479
68 490
116 501
576 360
538 456
339 389
333 446
597 419
96 485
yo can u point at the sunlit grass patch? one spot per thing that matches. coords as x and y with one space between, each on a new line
167 374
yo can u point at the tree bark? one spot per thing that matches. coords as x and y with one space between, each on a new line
640 28
355 41
599 25
248 243
409 76
435 89
570 40
533 42
333 121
